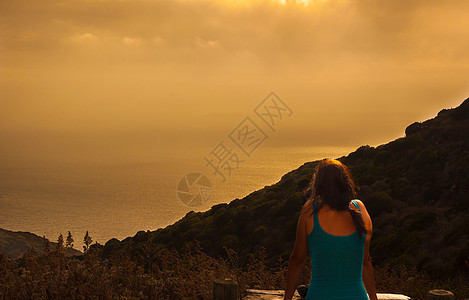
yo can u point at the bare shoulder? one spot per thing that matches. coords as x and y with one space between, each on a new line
364 211
360 204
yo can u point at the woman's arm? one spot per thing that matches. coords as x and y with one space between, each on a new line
368 273
298 257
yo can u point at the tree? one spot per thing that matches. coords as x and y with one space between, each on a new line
46 245
69 242
60 243
413 128
87 240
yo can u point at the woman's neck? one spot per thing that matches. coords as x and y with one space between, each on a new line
327 208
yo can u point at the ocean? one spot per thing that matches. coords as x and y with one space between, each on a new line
116 199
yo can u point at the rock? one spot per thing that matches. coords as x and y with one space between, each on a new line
225 289
253 294
383 296
439 294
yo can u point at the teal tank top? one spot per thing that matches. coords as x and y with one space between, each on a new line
336 264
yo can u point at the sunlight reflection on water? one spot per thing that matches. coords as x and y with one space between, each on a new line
119 199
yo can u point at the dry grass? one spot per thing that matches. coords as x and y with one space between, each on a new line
168 274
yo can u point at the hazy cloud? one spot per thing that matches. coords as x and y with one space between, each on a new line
353 71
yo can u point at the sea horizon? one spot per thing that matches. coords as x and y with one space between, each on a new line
116 199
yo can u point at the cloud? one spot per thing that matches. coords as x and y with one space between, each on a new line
390 29
84 38
131 41
142 66
199 42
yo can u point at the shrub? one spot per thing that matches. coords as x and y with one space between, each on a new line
294 203
379 202
259 233
413 128
383 157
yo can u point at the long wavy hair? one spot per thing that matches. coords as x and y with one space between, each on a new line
332 184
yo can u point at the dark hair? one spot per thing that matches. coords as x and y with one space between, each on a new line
332 184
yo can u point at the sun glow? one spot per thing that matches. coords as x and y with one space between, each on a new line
298 3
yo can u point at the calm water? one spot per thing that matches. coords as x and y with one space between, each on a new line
119 199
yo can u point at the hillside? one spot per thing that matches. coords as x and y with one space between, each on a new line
15 243
415 188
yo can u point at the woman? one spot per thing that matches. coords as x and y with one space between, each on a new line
336 232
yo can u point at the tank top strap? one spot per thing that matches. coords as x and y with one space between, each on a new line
356 205
315 205
315 213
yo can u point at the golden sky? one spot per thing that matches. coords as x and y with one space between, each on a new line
79 77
